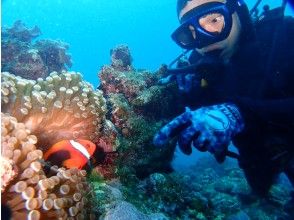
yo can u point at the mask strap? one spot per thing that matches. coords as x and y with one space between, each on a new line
233 4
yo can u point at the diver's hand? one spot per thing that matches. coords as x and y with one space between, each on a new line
185 82
188 77
207 128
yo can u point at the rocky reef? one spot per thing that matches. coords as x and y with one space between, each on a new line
30 59
208 192
138 107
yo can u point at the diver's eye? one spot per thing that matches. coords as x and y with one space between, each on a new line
213 22
217 19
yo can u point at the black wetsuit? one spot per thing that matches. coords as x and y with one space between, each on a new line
260 80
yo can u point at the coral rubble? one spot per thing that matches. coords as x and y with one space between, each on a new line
62 106
32 60
32 193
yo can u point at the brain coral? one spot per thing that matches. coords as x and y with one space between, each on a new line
60 107
32 193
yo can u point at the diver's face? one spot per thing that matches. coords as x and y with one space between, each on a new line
227 46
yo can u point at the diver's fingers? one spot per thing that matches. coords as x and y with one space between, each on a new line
201 143
186 138
167 79
180 82
173 128
220 156
187 83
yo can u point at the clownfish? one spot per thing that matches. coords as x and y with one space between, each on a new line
70 153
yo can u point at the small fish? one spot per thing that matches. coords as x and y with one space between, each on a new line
70 153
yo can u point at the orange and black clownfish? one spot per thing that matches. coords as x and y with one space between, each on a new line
71 153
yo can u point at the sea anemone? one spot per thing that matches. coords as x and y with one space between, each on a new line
7 171
60 107
32 193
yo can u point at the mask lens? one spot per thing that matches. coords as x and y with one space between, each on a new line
212 23
185 35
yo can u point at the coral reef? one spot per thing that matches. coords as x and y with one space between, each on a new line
53 54
229 192
135 141
129 83
21 32
62 106
111 204
121 58
170 194
205 192
34 193
141 91
125 211
32 60
138 107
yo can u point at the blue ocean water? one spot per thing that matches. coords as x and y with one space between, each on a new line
93 27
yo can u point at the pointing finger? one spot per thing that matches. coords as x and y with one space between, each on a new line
173 128
186 138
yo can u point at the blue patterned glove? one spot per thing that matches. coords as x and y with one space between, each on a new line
185 82
207 128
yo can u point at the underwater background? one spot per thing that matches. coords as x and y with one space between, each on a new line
93 27
120 46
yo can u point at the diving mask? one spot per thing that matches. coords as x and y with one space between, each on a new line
206 24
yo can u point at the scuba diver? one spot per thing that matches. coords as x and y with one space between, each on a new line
239 85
